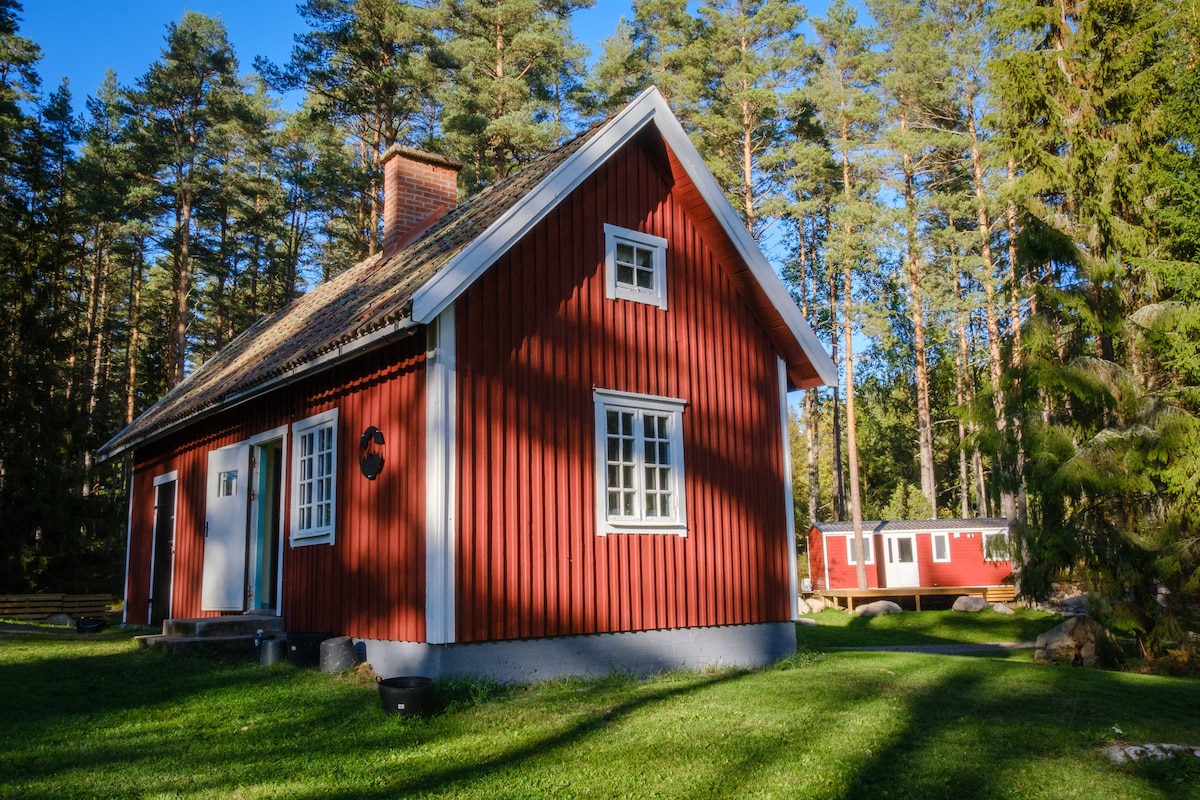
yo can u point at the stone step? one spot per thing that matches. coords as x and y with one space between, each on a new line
223 627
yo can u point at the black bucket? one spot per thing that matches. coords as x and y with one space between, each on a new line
407 696
304 647
90 625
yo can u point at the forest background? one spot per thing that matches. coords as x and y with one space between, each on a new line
989 211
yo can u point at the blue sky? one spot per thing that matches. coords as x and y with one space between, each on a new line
82 39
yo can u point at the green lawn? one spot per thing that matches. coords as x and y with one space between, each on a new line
840 629
93 716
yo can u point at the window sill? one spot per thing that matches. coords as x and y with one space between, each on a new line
309 539
611 528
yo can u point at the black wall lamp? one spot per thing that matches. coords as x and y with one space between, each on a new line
370 453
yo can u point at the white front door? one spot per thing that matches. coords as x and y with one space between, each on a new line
901 559
225 528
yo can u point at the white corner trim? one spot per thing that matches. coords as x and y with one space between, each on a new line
441 489
789 502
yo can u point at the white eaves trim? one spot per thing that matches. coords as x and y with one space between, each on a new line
432 298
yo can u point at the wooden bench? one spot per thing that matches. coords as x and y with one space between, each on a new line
36 607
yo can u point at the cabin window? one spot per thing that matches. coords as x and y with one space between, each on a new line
314 479
941 547
639 464
996 546
868 551
635 266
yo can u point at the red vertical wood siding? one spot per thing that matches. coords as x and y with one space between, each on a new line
843 574
535 336
370 582
966 567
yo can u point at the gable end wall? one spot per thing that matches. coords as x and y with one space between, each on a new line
536 335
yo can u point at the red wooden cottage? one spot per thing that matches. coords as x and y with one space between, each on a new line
542 432
951 554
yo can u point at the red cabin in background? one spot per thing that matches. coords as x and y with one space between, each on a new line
544 433
906 554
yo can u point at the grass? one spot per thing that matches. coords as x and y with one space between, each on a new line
839 629
94 716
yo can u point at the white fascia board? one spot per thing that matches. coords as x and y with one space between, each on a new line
431 299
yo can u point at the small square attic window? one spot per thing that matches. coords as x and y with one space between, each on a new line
635 266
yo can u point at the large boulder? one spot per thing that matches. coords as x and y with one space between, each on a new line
802 606
877 609
815 605
1001 608
1080 641
968 603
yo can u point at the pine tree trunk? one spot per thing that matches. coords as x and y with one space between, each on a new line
913 261
1017 351
987 278
852 430
179 294
135 321
811 430
839 480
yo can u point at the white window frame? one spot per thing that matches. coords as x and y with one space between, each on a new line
944 536
322 532
868 546
640 404
988 536
621 290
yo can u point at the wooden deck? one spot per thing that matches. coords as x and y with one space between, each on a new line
993 594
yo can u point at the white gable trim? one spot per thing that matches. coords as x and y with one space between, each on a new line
440 291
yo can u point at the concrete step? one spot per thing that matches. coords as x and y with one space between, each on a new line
178 645
222 627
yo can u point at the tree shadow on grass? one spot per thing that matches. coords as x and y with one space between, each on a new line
982 730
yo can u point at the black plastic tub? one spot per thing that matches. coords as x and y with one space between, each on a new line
407 696
90 625
304 647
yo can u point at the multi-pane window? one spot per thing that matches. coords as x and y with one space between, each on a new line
639 464
314 476
635 266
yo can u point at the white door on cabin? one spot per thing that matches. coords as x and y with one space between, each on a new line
225 520
900 564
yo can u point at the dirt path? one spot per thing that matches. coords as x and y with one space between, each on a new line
943 649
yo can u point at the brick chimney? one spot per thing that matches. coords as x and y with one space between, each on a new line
418 189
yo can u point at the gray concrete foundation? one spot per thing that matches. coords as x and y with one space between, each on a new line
642 653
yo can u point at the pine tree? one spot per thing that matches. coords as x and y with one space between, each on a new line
373 68
181 103
518 85
753 51
842 91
